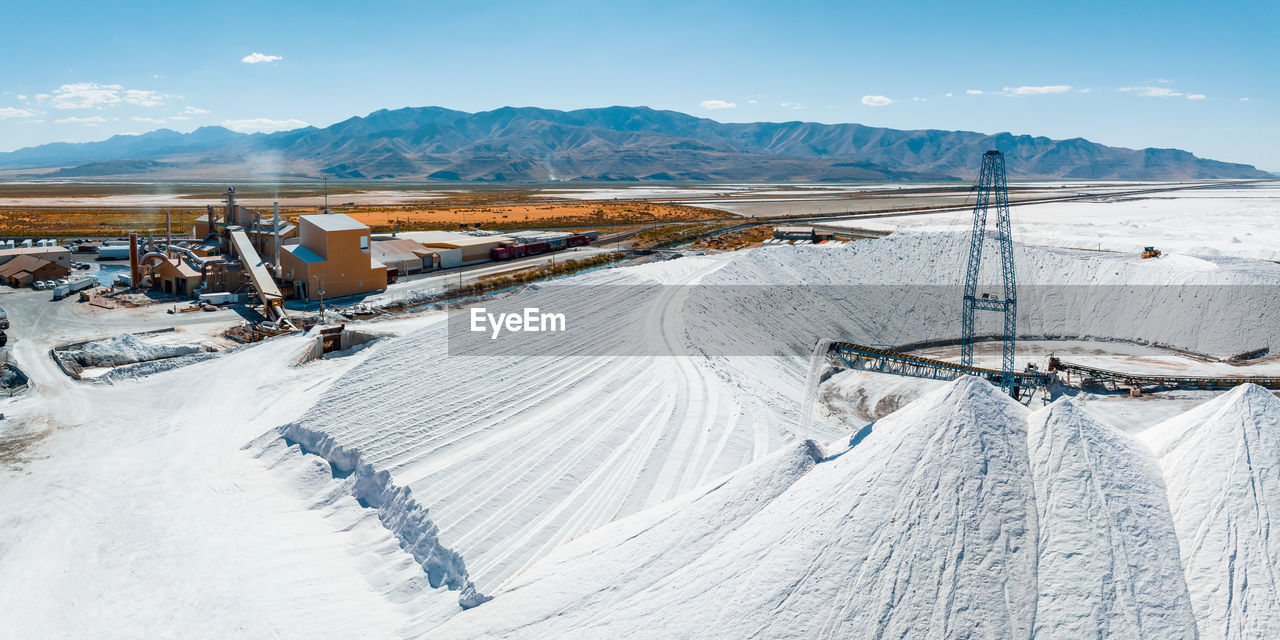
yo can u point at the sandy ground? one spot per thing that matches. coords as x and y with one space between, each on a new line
180 199
533 214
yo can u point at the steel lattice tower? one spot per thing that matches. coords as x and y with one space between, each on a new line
991 186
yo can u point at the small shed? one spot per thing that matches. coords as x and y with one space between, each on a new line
177 277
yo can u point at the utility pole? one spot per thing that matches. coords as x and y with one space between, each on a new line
991 186
326 194
319 278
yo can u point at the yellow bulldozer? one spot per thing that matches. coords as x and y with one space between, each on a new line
1150 252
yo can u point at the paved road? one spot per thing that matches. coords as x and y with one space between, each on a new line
37 323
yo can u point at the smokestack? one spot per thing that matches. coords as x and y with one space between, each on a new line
230 217
135 274
275 227
168 231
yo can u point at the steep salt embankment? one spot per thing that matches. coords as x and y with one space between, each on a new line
482 464
905 288
1221 463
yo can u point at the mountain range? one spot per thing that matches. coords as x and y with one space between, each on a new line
607 144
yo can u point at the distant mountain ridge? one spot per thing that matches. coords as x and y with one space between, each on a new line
606 144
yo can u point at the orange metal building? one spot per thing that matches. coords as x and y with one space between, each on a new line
332 253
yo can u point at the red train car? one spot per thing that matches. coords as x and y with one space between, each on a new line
579 241
534 248
507 253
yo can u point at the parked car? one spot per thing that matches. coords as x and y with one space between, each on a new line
38 285
60 281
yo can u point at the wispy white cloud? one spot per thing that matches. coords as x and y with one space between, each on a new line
973 92
791 105
257 125
144 98
949 94
255 58
752 101
1244 99
1196 96
876 101
1084 90
12 112
1037 91
1154 92
91 95
91 121
85 95
179 117
147 120
195 111
717 104
22 96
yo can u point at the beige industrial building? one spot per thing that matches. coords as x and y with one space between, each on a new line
404 255
473 249
57 255
331 257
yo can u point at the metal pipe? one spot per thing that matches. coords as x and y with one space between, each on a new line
135 274
275 227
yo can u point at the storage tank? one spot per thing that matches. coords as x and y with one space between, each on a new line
115 252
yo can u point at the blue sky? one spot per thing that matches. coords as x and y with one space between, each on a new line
1196 76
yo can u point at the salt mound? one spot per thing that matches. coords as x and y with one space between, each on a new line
961 515
923 526
1108 556
125 349
1221 463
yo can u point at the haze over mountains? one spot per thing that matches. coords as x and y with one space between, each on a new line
609 144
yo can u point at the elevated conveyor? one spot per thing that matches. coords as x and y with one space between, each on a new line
1138 380
262 281
864 358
